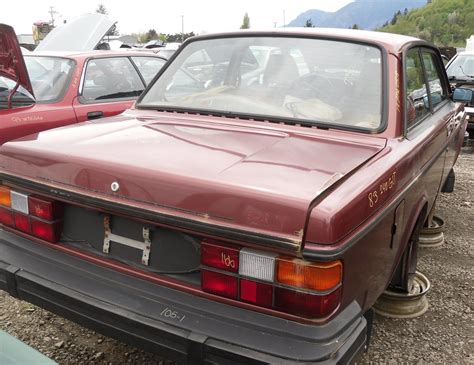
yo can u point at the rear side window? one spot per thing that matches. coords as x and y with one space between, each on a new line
111 78
416 93
148 66
50 77
437 92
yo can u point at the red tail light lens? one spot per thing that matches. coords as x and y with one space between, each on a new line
45 230
220 257
6 217
306 304
20 208
220 284
43 208
22 222
256 293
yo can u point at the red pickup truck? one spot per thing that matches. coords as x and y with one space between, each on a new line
264 192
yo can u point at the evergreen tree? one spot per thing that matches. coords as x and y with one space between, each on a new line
309 24
151 35
101 9
245 22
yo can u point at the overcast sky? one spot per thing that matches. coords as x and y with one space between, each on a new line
135 16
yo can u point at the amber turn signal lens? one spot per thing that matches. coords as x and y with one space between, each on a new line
5 197
304 274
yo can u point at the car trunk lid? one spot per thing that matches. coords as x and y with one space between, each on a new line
12 64
231 176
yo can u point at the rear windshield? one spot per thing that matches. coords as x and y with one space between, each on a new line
49 76
311 80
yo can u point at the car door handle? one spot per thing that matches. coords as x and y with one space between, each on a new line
95 115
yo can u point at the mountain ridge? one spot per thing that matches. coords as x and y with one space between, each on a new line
367 14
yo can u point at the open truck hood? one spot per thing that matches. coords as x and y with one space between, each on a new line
12 64
246 177
83 33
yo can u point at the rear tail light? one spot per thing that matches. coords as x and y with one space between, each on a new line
31 214
306 304
256 293
220 284
257 265
6 217
295 286
44 208
22 222
303 274
5 197
48 231
19 202
220 257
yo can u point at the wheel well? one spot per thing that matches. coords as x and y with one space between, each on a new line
406 266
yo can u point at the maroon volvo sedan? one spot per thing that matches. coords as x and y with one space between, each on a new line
263 193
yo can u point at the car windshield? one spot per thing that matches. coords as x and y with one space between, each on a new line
300 79
462 67
49 76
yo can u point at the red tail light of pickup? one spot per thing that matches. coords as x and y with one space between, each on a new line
31 214
294 286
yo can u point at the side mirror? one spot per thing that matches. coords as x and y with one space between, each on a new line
463 95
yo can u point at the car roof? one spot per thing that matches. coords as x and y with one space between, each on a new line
92 54
390 41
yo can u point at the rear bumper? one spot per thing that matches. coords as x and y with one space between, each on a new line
130 309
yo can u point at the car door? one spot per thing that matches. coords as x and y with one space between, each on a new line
110 85
441 105
429 112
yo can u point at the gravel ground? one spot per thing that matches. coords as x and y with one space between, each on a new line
445 334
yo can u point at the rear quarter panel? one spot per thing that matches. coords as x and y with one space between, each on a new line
371 249
355 220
